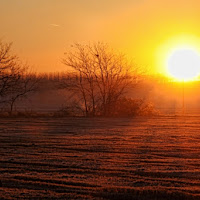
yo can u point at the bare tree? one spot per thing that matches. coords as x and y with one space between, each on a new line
8 68
15 80
102 76
24 85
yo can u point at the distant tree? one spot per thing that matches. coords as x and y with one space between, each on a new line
102 77
24 86
15 80
8 69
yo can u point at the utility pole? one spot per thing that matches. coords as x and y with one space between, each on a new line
183 97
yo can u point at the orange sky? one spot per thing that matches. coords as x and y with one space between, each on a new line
42 30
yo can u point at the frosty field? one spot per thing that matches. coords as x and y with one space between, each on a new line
78 158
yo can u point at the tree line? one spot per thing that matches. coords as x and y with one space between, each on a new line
98 81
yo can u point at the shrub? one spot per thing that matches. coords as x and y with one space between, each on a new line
128 107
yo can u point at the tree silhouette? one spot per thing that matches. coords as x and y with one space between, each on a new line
102 77
15 80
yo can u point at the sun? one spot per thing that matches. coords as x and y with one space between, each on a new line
178 58
183 64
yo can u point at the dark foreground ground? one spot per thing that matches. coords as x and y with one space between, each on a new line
142 159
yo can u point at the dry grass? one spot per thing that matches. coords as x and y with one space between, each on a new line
79 158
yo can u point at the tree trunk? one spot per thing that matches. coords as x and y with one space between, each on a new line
11 107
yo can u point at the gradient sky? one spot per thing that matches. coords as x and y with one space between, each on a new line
42 30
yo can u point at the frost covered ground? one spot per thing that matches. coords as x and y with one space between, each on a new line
78 158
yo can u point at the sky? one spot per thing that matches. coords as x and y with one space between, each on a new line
42 30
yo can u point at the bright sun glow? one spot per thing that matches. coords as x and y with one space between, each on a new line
179 58
184 64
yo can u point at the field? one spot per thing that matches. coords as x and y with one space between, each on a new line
78 158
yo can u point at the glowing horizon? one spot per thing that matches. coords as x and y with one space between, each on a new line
144 30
